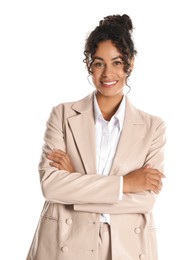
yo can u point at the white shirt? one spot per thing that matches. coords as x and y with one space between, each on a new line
107 137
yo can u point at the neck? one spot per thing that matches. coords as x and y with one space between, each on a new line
108 105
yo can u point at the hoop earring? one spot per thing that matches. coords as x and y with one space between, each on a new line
88 78
128 75
129 89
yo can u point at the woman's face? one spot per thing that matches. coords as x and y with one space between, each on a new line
108 73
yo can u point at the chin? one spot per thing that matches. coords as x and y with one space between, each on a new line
109 92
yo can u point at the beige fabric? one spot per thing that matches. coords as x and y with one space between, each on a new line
104 242
69 225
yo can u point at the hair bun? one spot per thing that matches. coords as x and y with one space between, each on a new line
121 20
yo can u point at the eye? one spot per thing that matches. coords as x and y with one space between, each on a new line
98 64
118 63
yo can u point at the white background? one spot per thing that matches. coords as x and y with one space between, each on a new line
41 53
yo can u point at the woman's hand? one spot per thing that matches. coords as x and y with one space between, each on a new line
143 179
60 160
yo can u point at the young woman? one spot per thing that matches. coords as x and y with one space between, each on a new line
102 163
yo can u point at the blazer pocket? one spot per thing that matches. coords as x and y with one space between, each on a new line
48 211
152 228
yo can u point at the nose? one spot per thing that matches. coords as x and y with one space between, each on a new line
107 70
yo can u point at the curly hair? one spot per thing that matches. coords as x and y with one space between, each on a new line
118 29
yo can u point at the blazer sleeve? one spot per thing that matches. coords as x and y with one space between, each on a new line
71 188
141 202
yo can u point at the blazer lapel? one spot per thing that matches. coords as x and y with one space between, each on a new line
131 135
83 130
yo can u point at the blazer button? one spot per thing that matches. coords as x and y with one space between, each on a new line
64 249
142 257
69 221
137 230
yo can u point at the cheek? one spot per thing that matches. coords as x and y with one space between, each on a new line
96 77
122 75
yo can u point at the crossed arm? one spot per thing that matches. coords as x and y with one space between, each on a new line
143 179
61 182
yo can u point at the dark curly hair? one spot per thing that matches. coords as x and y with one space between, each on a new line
118 29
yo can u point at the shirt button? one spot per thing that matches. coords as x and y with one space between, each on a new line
142 257
137 230
64 249
69 221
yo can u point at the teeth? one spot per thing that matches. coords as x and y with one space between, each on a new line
109 83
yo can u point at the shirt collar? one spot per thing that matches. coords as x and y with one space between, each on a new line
120 113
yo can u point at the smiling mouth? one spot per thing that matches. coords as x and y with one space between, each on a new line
109 84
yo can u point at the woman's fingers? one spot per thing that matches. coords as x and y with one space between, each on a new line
58 157
143 179
153 179
155 186
60 160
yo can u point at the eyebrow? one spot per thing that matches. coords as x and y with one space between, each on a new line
99 58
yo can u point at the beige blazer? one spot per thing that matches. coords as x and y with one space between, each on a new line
69 224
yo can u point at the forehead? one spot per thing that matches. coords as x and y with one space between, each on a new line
107 50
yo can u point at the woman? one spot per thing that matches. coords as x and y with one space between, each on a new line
102 162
